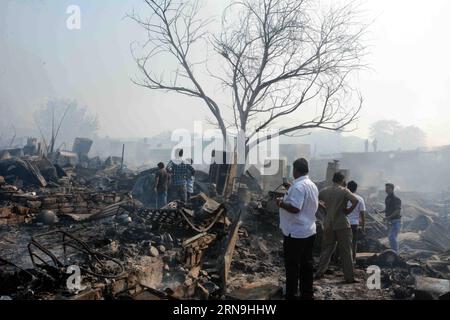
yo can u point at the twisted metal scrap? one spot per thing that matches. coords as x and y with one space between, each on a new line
80 246
203 229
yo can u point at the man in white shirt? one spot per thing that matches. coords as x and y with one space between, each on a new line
357 215
298 224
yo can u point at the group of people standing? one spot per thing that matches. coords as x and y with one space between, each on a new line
345 211
374 145
174 181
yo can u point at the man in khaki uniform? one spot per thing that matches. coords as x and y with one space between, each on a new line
337 227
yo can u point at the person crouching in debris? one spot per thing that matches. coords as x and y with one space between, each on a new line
393 215
162 179
179 171
357 216
337 227
298 224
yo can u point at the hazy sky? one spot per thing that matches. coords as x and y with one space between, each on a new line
40 58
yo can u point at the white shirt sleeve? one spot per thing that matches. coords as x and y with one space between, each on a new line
362 205
296 197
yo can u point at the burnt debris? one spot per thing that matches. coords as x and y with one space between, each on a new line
67 215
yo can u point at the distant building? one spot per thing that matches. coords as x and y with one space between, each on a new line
415 170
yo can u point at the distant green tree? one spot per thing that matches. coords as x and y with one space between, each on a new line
391 135
411 137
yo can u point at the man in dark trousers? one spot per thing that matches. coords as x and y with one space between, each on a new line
180 171
393 215
298 224
357 217
161 185
336 227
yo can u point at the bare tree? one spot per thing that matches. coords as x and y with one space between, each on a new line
62 119
282 60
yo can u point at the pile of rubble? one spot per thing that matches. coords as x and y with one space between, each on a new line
25 193
129 253
421 270
61 213
76 212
